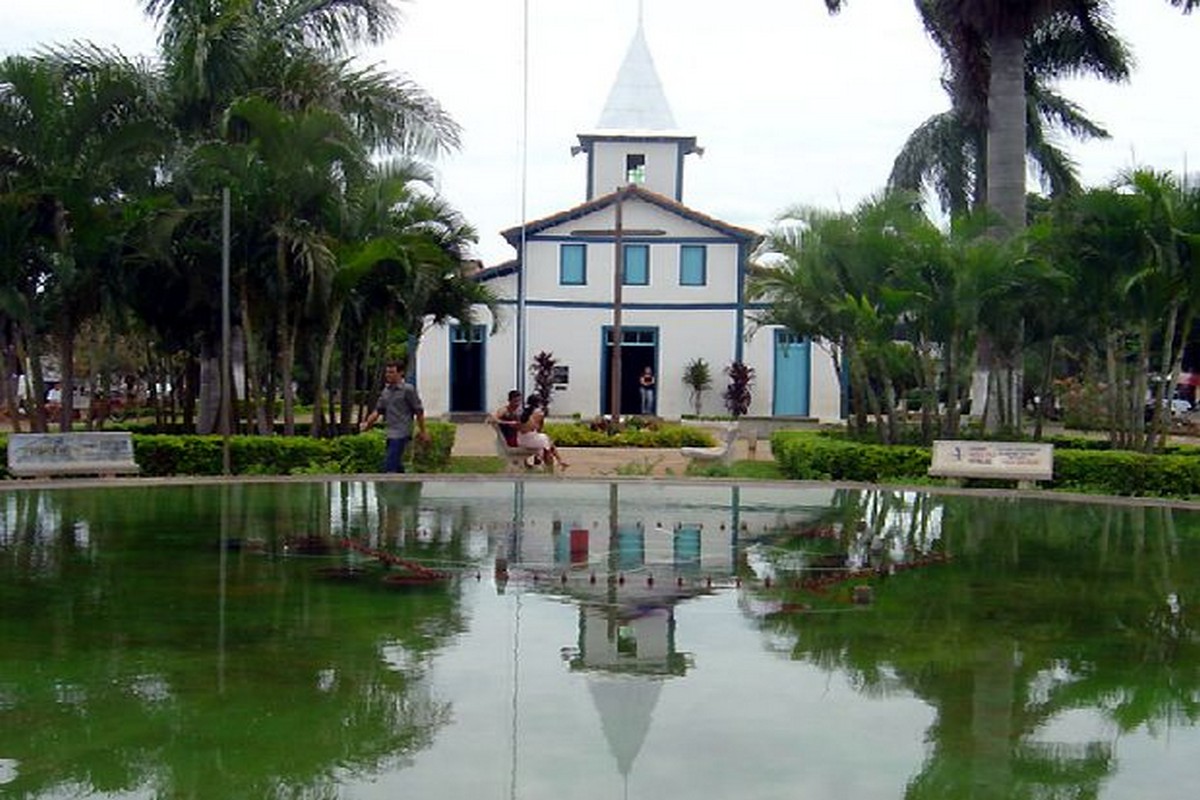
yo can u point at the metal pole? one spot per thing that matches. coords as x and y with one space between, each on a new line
226 371
522 256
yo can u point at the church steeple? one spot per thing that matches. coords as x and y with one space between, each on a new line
636 101
636 140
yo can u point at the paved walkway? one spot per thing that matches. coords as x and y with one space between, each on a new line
477 439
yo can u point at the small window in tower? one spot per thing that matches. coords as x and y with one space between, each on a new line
635 168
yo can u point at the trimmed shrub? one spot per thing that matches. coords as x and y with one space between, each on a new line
159 455
1123 473
805 455
663 436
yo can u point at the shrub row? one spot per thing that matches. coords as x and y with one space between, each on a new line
1124 473
663 436
159 455
806 455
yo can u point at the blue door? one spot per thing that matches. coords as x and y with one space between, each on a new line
792 374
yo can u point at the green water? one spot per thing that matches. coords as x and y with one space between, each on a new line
650 641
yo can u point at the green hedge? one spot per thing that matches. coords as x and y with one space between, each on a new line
803 455
160 455
662 436
1124 473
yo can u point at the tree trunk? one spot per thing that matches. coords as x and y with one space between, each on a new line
1117 433
1165 391
929 393
1039 411
346 390
287 339
1006 130
37 386
953 398
889 408
11 369
324 359
1141 388
210 393
257 411
66 371
1005 184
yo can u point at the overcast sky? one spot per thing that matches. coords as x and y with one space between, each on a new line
791 105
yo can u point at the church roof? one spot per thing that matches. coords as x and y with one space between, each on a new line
632 192
636 101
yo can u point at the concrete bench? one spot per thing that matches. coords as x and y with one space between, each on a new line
1024 462
722 453
516 458
32 455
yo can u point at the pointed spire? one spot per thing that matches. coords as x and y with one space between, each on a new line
636 101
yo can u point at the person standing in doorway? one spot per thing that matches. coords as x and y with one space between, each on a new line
646 387
398 405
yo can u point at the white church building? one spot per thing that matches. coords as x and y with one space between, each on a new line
682 295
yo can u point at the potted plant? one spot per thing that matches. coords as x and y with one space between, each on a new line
698 378
737 393
542 371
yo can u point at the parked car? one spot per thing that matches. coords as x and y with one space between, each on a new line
1177 407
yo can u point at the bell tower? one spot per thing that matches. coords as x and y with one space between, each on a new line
636 140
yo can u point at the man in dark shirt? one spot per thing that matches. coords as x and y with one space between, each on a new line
398 405
508 418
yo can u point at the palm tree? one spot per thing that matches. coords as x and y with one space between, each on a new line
947 152
421 274
80 131
836 279
289 56
302 161
1170 228
293 53
989 38
368 236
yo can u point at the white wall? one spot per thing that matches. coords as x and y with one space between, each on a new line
608 166
569 321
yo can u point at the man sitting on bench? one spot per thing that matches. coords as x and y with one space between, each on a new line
507 418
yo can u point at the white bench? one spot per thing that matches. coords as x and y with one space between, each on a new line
722 453
1024 462
515 458
108 453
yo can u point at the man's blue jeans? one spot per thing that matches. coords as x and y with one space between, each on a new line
394 461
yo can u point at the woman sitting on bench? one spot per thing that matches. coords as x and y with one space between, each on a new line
530 433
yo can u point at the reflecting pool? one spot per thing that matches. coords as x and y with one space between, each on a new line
590 640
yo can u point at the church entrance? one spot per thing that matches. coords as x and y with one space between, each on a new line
466 368
639 349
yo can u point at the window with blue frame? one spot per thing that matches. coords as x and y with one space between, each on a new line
693 265
572 264
637 265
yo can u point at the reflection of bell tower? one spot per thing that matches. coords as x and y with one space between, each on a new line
626 707
633 640
628 651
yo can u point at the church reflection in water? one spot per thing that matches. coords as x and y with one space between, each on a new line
626 562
